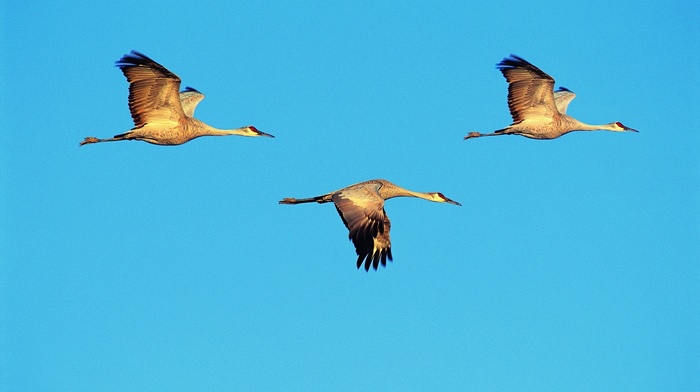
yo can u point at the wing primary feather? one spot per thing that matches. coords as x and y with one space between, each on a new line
153 90
514 62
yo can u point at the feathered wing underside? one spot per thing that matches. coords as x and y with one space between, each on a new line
154 92
189 99
362 212
562 99
530 93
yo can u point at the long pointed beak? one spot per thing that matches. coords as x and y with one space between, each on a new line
261 133
452 202
631 129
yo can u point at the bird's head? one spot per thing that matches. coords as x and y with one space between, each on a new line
440 198
620 127
254 132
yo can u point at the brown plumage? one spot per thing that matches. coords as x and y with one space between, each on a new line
161 113
539 112
361 207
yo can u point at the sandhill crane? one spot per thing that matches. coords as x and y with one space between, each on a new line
537 111
361 207
163 115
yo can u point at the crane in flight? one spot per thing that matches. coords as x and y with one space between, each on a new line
162 114
361 207
539 112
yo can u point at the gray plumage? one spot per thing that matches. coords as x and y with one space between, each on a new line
161 113
539 112
361 207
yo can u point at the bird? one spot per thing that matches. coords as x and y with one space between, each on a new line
162 114
539 112
361 208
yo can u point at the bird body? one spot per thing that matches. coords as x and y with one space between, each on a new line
162 114
539 112
361 208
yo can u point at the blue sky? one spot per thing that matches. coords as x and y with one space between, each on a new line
572 264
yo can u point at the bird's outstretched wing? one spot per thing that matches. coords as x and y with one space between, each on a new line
189 99
562 97
362 211
154 92
529 89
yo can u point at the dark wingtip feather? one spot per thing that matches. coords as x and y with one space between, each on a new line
363 258
561 88
133 59
371 259
188 89
513 61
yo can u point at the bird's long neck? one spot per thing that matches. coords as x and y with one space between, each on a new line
391 192
199 128
211 131
576 125
388 190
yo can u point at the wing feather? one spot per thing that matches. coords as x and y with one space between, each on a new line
189 99
529 89
562 98
362 211
153 90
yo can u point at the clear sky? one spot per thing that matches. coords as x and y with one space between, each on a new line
573 264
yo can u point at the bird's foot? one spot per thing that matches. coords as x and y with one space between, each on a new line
89 139
288 200
471 135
